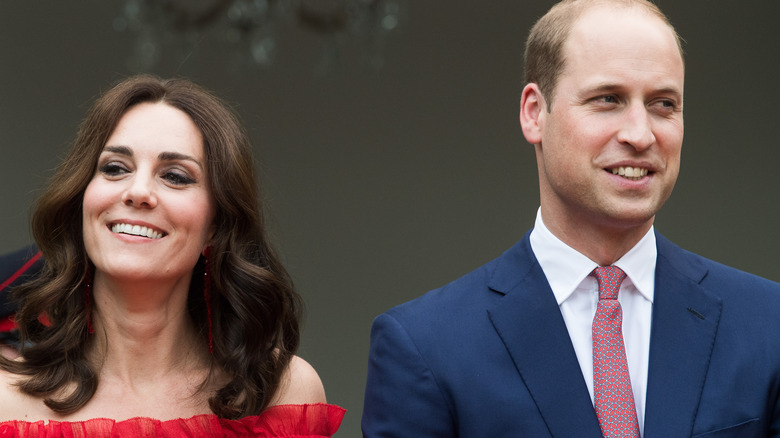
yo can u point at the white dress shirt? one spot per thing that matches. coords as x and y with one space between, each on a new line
577 295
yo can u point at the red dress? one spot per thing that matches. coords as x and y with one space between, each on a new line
292 421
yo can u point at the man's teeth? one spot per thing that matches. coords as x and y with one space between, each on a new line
136 230
630 172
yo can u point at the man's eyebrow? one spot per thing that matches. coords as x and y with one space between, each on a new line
603 86
669 90
611 86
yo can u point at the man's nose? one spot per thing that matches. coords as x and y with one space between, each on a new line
637 128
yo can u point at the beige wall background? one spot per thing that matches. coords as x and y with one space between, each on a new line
385 183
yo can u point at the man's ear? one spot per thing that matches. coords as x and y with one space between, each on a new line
532 112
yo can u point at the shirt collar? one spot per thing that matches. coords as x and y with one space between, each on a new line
566 268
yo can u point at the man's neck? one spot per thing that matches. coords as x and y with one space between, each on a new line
602 243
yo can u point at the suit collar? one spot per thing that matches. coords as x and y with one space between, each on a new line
514 266
685 322
545 358
565 267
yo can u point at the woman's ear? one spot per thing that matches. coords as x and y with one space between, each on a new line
532 113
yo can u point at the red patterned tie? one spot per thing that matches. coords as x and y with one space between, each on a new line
614 399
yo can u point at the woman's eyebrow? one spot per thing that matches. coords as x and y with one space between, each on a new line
163 156
176 156
122 150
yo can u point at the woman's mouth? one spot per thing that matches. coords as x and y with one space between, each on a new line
137 230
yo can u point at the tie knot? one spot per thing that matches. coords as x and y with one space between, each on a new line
609 279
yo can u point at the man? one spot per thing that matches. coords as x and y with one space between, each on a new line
535 343
15 268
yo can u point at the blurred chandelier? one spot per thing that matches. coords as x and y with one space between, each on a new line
251 27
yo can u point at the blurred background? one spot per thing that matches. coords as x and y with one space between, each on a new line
386 134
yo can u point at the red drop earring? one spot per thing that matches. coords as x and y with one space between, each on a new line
88 298
207 293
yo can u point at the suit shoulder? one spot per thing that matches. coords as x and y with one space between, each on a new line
719 272
743 285
477 289
716 275
463 289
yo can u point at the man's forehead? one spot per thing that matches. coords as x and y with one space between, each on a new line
610 34
602 19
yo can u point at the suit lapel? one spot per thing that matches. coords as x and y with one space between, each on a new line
685 321
531 327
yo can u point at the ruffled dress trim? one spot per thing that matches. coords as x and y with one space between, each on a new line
291 421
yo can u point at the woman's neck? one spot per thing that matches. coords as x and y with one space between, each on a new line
143 331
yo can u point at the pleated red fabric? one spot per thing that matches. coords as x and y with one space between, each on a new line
291 421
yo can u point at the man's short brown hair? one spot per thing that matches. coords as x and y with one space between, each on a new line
544 60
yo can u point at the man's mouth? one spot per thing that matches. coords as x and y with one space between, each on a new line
628 172
137 230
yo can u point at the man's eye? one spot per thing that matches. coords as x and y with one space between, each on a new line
113 169
608 99
666 105
177 178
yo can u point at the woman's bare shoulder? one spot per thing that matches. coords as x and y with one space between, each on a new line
300 384
16 404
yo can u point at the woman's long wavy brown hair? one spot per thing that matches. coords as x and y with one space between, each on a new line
255 309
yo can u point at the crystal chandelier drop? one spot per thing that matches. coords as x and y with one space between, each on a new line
250 29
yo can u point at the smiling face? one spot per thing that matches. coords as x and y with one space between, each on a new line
148 211
608 145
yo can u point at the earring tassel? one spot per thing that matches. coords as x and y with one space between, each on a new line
207 295
88 300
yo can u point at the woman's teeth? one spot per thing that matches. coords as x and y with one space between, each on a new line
136 230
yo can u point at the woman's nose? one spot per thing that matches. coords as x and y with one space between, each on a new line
140 193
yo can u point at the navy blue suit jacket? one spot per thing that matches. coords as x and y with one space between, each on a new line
489 355
15 268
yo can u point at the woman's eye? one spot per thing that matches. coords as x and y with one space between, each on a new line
178 179
113 169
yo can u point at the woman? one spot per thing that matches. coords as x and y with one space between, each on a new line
161 309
